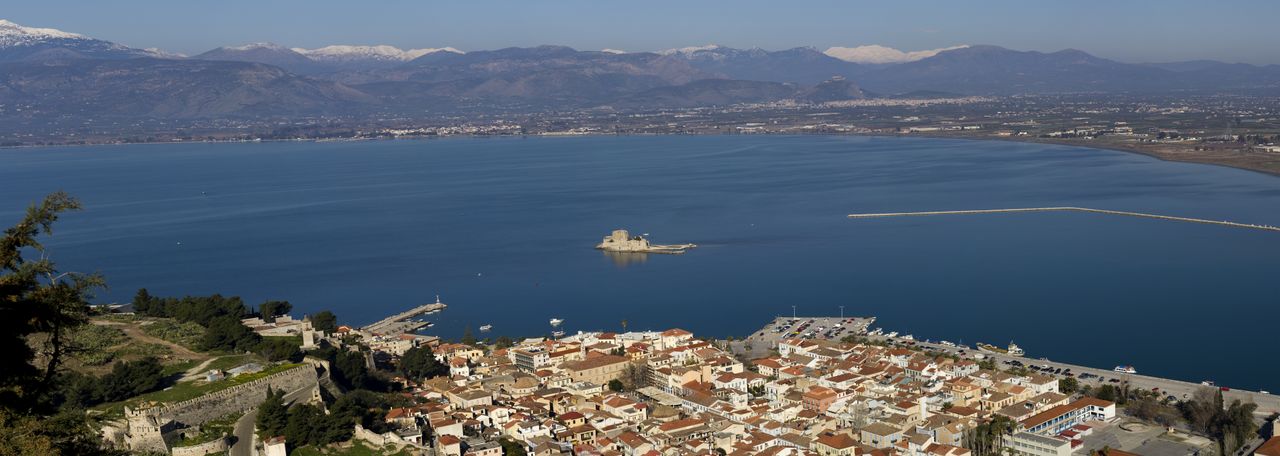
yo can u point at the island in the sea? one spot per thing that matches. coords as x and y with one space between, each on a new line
623 241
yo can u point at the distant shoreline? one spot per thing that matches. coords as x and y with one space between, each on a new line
1199 159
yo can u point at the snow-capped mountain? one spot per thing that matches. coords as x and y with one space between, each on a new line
21 43
877 54
692 50
345 53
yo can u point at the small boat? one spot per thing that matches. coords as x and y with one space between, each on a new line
556 321
1126 370
486 327
1208 383
892 334
557 334
1014 349
908 337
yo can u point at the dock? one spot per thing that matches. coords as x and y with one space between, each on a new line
1072 209
403 322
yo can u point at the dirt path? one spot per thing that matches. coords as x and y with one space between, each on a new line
135 332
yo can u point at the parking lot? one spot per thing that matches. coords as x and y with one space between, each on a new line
812 328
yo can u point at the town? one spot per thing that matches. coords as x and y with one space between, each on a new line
823 386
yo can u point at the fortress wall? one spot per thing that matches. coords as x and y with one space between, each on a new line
239 398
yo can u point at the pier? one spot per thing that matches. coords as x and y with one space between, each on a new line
403 322
1071 209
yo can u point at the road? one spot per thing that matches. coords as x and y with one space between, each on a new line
246 439
244 434
1267 403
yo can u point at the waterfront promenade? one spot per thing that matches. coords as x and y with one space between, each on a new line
767 338
1267 403
1070 209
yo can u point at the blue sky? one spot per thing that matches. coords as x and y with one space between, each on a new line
1135 31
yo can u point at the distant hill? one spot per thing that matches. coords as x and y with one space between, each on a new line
160 88
800 65
66 76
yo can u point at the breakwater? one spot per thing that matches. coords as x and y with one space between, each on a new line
1071 209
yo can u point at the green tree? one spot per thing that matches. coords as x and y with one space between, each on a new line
273 414
615 385
279 349
1106 393
511 447
419 362
987 439
325 321
226 333
271 309
39 309
504 342
350 370
467 337
1068 385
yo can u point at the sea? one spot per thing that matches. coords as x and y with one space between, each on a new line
503 229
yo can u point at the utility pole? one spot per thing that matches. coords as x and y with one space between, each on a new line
793 312
842 312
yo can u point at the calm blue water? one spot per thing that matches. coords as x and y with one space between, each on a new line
503 230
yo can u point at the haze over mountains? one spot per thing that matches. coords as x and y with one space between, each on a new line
51 73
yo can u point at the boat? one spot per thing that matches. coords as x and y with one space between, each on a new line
557 334
1014 349
892 334
908 337
947 343
556 321
486 327
1126 370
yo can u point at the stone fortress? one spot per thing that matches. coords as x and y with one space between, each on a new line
622 241
155 429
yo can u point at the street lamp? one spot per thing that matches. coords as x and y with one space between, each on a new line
793 312
842 312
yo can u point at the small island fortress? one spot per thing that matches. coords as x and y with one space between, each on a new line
623 241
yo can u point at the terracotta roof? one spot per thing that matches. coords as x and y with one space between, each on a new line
837 441
1270 448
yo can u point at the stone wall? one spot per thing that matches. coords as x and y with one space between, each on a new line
239 398
147 427
215 446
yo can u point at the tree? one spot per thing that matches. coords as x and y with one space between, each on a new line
615 385
37 303
228 334
634 376
511 447
468 338
350 370
420 362
271 309
1068 385
273 414
987 439
1106 393
325 321
279 349
504 342
39 309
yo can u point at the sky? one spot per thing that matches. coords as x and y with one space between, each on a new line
1131 31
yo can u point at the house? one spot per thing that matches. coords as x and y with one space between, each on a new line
1029 444
598 370
880 435
835 444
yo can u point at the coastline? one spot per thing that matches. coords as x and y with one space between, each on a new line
1168 156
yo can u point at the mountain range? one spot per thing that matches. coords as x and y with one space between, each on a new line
56 73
